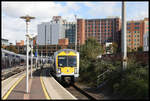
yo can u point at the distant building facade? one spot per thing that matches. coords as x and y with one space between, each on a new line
63 41
103 30
146 42
4 42
70 31
49 33
135 33
21 43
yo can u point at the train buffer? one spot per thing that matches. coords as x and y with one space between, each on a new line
38 89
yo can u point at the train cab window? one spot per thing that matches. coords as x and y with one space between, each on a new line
72 61
62 61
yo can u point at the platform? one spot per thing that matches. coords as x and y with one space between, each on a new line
41 86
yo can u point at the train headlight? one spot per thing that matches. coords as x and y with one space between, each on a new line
75 70
59 70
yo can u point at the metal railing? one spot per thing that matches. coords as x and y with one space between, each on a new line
102 78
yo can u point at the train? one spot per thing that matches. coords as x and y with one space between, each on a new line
66 64
10 59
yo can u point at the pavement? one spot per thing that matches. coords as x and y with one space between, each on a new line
41 86
35 88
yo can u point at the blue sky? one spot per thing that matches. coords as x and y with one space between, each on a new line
13 28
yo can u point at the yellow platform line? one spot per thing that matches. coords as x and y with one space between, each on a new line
44 89
10 90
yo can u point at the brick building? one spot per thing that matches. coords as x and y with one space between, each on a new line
21 43
135 32
63 41
103 30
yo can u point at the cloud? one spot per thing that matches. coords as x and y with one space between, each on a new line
136 10
13 28
103 9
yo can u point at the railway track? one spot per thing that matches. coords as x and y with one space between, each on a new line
75 90
10 73
79 92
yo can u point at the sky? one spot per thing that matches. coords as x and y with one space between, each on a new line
13 28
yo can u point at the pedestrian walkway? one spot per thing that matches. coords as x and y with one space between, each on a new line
35 88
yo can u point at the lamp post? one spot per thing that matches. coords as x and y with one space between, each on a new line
27 19
31 55
76 33
37 56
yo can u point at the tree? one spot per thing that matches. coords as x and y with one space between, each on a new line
91 49
88 57
114 47
12 48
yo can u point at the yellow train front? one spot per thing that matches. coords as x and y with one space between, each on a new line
66 64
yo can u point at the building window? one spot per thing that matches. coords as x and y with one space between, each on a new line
129 40
135 40
128 27
136 23
128 24
136 27
134 35
128 31
137 35
129 35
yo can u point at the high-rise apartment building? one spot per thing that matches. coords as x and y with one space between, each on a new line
49 33
135 32
103 30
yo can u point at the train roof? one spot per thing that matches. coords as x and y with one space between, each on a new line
65 50
6 51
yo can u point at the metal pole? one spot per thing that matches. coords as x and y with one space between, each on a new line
41 57
31 57
27 18
124 45
36 57
27 57
76 34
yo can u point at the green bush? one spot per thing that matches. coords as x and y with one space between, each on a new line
130 83
134 81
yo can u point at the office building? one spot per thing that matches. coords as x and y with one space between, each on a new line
135 32
70 28
50 32
103 30
4 42
21 43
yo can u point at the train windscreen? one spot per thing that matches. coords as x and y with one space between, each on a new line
72 61
67 61
62 61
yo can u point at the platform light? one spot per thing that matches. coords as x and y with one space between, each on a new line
27 19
